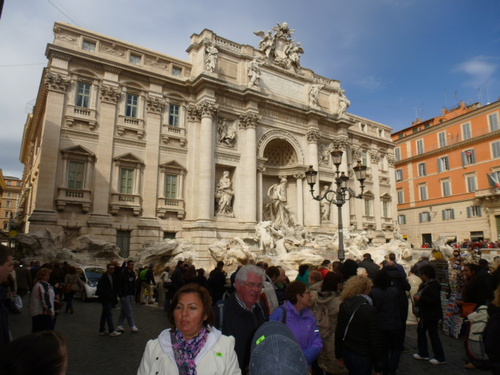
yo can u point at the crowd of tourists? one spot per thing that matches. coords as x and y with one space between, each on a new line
334 318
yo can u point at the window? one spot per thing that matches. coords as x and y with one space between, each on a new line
386 209
401 197
132 105
471 183
364 158
443 164
420 146
397 154
446 186
469 157
368 207
466 131
448 214
83 95
176 71
474 211
75 174
9 195
422 170
423 192
495 146
127 180
8 203
442 139
7 213
9 183
173 115
424 217
401 219
493 120
399 174
88 46
135 59
123 242
171 186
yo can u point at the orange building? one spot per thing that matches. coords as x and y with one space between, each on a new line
448 175
9 201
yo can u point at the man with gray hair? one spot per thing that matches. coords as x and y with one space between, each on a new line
241 314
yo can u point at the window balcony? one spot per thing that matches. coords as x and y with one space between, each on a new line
130 126
177 206
173 132
126 201
84 115
67 196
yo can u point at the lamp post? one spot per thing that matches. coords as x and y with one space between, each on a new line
341 194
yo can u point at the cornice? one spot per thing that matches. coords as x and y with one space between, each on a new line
449 148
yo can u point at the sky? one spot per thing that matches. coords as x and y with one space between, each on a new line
398 60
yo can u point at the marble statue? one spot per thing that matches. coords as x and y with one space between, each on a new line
343 104
325 205
224 195
313 94
280 47
254 71
278 210
226 134
211 53
324 154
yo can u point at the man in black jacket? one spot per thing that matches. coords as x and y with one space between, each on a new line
6 266
126 292
217 282
241 314
368 264
107 293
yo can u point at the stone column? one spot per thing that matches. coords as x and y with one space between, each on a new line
377 204
248 168
206 170
300 198
312 212
56 85
154 108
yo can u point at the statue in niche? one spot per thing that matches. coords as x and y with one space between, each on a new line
344 103
211 53
324 154
325 205
254 71
224 195
227 134
278 210
313 94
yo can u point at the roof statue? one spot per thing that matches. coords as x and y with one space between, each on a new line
280 47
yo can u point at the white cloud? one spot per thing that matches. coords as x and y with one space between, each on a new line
480 71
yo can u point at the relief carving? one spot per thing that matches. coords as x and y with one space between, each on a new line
227 134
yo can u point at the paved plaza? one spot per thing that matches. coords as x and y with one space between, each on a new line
90 353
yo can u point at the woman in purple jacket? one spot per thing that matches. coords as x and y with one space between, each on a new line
296 313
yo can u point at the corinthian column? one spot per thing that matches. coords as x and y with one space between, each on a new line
248 171
206 170
312 212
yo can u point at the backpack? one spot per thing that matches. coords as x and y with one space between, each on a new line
474 342
143 274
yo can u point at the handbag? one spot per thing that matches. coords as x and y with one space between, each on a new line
67 288
16 302
468 308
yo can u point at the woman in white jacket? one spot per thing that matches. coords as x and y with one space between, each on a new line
192 346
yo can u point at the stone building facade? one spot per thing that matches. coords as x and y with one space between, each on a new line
130 145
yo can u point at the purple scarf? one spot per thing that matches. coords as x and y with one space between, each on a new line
185 351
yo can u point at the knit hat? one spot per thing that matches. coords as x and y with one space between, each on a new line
275 350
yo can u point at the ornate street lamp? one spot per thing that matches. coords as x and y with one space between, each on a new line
341 194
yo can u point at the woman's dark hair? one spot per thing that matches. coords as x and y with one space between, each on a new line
71 270
382 279
205 298
37 353
200 272
473 267
428 271
349 268
294 289
337 266
273 272
303 268
331 282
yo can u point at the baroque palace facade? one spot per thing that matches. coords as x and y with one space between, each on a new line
129 145
448 176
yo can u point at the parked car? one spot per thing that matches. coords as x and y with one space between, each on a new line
90 275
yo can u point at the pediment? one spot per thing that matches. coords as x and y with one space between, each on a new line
77 151
128 158
172 165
